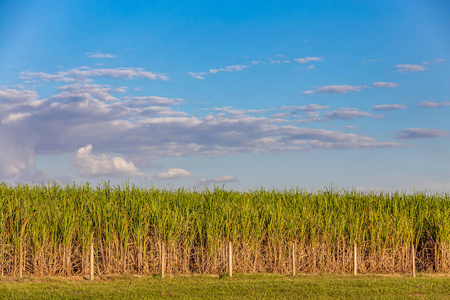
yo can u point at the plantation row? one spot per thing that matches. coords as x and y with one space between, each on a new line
48 230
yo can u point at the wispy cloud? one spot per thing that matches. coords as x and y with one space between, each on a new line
233 68
306 108
87 72
409 68
383 84
420 133
100 55
306 60
373 60
433 61
174 173
218 180
432 104
406 68
334 89
349 113
388 107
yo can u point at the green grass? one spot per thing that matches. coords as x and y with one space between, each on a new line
321 286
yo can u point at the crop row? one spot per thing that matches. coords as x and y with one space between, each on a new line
48 229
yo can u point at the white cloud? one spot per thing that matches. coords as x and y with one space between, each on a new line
141 129
420 133
100 55
339 89
373 60
16 154
46 77
122 73
409 68
388 106
383 84
308 59
312 107
199 75
433 61
83 73
174 173
349 113
150 101
432 104
233 68
15 117
218 180
229 69
16 96
92 165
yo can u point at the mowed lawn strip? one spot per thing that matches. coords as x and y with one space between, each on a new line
321 286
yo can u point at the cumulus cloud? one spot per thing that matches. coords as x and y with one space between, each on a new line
409 68
15 117
136 130
16 155
388 107
383 84
432 104
420 133
349 113
92 165
218 180
308 59
13 96
100 55
174 173
339 89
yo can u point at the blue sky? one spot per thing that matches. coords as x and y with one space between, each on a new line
237 93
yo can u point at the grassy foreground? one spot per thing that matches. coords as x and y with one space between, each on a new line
322 286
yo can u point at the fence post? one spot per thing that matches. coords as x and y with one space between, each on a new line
91 259
163 259
20 258
293 259
230 259
355 259
413 254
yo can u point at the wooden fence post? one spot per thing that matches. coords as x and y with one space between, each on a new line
413 254
20 258
293 259
355 259
163 259
91 259
230 259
